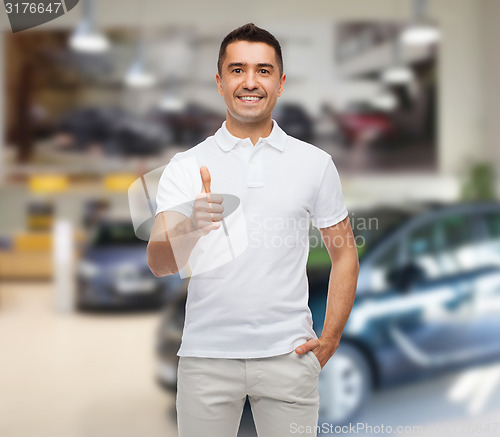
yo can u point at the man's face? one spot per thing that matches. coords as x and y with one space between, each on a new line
250 82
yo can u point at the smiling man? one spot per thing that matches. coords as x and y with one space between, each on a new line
248 329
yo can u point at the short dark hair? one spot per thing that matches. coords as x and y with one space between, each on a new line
250 32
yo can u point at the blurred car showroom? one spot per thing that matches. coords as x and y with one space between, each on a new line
401 93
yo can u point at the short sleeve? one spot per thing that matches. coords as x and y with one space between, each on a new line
174 189
329 208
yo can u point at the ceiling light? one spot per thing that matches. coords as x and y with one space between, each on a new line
86 38
384 101
421 31
420 34
171 103
397 75
138 77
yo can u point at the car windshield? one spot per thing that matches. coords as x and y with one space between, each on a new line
372 226
369 227
115 234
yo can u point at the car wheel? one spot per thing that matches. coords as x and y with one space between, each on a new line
345 384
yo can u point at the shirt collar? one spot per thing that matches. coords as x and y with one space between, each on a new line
226 141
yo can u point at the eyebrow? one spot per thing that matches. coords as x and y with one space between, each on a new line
244 64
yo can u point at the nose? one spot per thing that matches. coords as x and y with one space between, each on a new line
250 82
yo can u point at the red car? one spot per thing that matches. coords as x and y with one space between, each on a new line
362 123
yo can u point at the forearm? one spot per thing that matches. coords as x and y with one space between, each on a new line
169 249
341 295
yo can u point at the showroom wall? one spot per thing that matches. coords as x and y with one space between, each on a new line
490 64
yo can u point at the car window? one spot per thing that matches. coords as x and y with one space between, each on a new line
115 234
443 247
388 259
422 242
454 232
385 263
372 227
493 225
488 248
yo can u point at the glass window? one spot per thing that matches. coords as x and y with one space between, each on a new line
372 227
493 225
422 241
385 263
115 234
454 231
388 259
443 247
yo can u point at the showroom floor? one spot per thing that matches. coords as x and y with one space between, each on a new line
92 375
76 375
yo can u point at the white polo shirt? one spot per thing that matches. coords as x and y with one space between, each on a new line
255 305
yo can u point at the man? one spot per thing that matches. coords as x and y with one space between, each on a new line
248 329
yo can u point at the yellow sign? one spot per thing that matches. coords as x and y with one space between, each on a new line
48 183
119 181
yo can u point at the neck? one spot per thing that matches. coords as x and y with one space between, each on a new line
254 131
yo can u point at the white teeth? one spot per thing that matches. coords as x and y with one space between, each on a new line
249 98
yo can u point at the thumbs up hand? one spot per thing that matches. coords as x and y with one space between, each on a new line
208 208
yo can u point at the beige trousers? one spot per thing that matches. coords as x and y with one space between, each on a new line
282 390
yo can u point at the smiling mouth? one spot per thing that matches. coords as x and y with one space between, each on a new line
252 99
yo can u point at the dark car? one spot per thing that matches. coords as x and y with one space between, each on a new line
428 301
295 121
114 131
113 272
189 125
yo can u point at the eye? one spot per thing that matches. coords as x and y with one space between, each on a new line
239 69
263 70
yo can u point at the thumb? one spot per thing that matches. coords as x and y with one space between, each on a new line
307 346
205 179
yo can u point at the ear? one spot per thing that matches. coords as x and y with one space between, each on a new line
218 79
282 84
